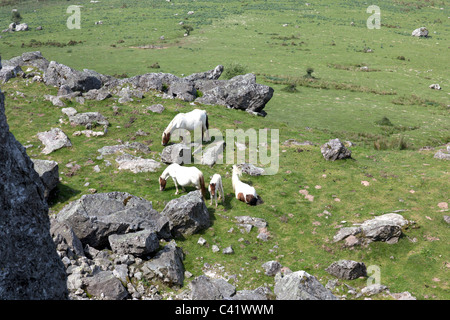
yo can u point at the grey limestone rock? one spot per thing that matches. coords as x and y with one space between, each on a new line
300 285
187 214
30 268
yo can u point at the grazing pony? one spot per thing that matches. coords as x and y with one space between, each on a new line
243 191
215 187
188 121
183 176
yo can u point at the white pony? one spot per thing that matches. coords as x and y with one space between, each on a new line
188 121
215 187
243 191
183 176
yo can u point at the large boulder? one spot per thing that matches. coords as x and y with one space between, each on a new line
300 285
58 74
30 268
48 171
335 150
241 92
187 214
94 217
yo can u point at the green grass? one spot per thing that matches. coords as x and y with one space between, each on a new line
342 102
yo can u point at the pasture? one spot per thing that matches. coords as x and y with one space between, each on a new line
351 90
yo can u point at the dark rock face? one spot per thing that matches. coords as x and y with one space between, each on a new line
94 217
30 268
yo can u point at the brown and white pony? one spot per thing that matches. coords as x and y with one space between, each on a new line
216 188
183 176
188 121
243 191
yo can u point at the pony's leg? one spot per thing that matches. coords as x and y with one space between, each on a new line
176 185
222 195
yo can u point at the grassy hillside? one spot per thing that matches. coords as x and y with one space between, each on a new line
277 41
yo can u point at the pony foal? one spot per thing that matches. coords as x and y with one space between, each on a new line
243 191
189 121
215 187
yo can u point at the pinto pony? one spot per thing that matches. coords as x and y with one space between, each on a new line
243 191
189 121
183 176
215 187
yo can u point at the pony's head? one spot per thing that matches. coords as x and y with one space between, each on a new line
165 138
162 184
236 170
212 189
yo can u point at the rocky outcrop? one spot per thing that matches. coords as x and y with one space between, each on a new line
30 268
241 92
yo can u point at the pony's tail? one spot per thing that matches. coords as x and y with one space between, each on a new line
207 123
202 186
